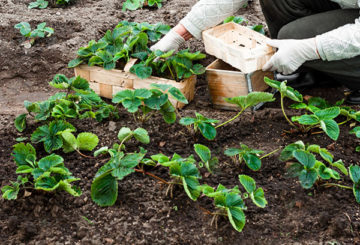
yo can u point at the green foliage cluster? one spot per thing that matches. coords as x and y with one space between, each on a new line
250 156
104 188
41 4
320 114
177 66
207 127
137 4
241 20
40 32
145 102
230 202
356 131
120 44
131 40
306 166
47 174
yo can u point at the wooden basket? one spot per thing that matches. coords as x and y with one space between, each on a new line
106 83
238 46
225 81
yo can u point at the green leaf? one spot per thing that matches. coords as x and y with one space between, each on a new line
340 165
70 142
326 155
305 158
50 161
355 131
203 152
187 121
272 83
356 191
294 170
354 171
20 122
87 141
255 98
207 130
192 187
102 150
75 62
287 152
252 161
307 178
79 83
142 135
248 183
327 114
306 119
124 133
258 198
24 169
131 160
10 192
104 189
168 112
232 152
24 28
331 128
141 70
22 152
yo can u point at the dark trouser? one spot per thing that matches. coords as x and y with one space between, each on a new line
299 19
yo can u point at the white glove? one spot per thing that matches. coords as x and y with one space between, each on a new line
172 40
291 54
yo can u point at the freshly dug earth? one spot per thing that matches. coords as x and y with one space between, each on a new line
142 213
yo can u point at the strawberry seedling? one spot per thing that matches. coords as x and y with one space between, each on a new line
247 101
184 172
306 167
205 155
241 20
40 31
143 103
200 123
104 188
230 203
250 156
119 45
47 174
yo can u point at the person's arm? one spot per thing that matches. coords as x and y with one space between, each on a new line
341 43
203 15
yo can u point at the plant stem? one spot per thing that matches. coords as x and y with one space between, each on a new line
283 111
123 141
344 121
269 153
172 74
232 119
83 155
152 175
337 185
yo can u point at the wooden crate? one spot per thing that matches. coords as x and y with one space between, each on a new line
238 46
106 83
225 81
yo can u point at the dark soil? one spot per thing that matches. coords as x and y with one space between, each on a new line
142 213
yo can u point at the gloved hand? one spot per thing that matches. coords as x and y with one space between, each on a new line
172 40
291 54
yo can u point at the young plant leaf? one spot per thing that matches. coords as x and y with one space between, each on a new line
104 189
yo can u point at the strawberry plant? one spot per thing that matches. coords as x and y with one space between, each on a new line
47 174
200 123
175 66
120 44
205 156
250 156
79 101
136 4
306 167
184 172
83 142
145 102
247 101
40 31
230 203
356 131
104 188
41 4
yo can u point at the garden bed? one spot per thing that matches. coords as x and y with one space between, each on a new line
143 214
